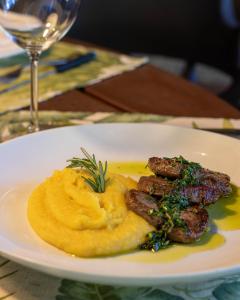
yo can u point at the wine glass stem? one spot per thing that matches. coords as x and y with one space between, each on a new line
34 122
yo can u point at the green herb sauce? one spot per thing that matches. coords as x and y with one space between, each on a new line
171 205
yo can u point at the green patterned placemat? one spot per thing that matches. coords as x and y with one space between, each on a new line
106 64
15 123
19 283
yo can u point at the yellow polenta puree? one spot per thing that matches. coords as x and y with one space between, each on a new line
65 212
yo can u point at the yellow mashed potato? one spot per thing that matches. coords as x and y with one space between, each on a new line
65 212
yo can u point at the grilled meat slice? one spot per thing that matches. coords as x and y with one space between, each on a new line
201 194
165 167
173 169
156 186
196 220
141 204
216 180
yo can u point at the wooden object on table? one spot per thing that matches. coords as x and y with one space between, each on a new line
148 90
76 100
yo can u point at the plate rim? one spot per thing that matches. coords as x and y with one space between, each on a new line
103 279
125 280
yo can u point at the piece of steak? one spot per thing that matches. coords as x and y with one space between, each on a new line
216 180
154 185
141 204
196 220
170 168
173 169
158 186
201 194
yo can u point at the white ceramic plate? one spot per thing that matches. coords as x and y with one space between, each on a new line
27 160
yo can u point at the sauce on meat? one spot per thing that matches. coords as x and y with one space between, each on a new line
208 241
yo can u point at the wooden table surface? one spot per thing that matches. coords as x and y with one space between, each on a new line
147 89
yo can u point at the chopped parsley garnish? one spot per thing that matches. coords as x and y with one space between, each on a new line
188 174
156 240
171 205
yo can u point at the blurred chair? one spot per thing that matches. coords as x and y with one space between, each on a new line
189 31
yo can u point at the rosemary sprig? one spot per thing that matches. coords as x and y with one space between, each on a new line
96 170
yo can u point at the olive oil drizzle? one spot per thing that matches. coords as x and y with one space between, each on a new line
225 215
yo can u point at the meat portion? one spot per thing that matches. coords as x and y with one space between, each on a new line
200 194
142 204
172 200
173 169
216 180
196 220
170 168
156 186
194 217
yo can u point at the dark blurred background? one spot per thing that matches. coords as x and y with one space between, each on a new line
194 39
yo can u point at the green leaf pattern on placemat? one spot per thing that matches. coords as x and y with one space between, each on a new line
4 275
227 124
211 290
106 64
73 290
133 118
15 123
227 291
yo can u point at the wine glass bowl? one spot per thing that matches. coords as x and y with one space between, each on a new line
35 25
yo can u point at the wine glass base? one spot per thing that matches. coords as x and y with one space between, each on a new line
31 129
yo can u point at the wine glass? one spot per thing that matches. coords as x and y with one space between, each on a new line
35 25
